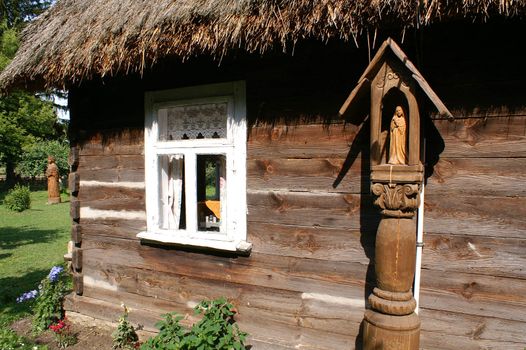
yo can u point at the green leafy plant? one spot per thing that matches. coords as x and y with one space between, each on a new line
47 300
48 306
9 340
18 198
62 333
216 330
170 336
125 336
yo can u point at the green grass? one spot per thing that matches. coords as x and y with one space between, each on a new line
31 242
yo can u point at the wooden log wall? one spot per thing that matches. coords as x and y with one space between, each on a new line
310 217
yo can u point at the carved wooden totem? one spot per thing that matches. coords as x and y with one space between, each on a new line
397 174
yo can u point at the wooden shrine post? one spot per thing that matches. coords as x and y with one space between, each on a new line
397 174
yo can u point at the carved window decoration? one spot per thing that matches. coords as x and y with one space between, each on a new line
197 121
195 153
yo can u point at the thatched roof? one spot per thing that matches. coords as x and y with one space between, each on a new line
79 39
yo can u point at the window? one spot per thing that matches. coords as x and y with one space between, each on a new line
195 157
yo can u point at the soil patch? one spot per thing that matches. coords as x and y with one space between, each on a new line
89 337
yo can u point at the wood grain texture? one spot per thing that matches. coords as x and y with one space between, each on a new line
76 234
495 137
315 174
301 275
492 256
301 140
286 307
502 177
473 332
311 242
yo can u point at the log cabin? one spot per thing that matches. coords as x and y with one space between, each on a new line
232 148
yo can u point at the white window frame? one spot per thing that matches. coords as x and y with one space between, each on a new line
233 147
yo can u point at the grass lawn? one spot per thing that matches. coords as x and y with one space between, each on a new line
31 242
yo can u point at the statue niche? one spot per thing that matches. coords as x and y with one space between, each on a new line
394 135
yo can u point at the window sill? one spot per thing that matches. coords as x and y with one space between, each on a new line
239 246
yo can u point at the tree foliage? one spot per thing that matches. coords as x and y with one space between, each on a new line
17 12
25 119
33 161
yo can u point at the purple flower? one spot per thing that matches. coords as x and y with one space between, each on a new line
55 273
27 296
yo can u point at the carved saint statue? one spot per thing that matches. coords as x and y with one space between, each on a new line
52 174
397 145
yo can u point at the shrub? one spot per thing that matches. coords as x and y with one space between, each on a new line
216 330
125 336
18 198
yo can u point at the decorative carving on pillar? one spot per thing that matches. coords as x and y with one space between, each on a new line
396 200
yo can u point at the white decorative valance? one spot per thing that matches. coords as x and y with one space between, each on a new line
197 121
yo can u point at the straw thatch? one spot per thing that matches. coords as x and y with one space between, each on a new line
79 39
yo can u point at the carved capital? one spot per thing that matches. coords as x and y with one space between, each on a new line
396 200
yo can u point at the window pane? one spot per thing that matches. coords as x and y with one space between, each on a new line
198 121
211 192
172 197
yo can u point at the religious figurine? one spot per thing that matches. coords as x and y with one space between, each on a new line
52 174
397 145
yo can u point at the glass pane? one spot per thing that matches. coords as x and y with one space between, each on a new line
172 214
199 121
211 192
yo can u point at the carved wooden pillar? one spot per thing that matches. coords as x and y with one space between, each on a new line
393 82
391 323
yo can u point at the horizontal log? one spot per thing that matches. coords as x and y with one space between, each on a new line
290 308
119 204
477 289
318 174
475 215
467 215
301 141
118 228
111 161
474 332
288 273
340 211
483 137
450 301
112 175
312 242
115 192
503 177
492 256
122 142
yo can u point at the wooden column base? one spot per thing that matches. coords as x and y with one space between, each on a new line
53 200
389 332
